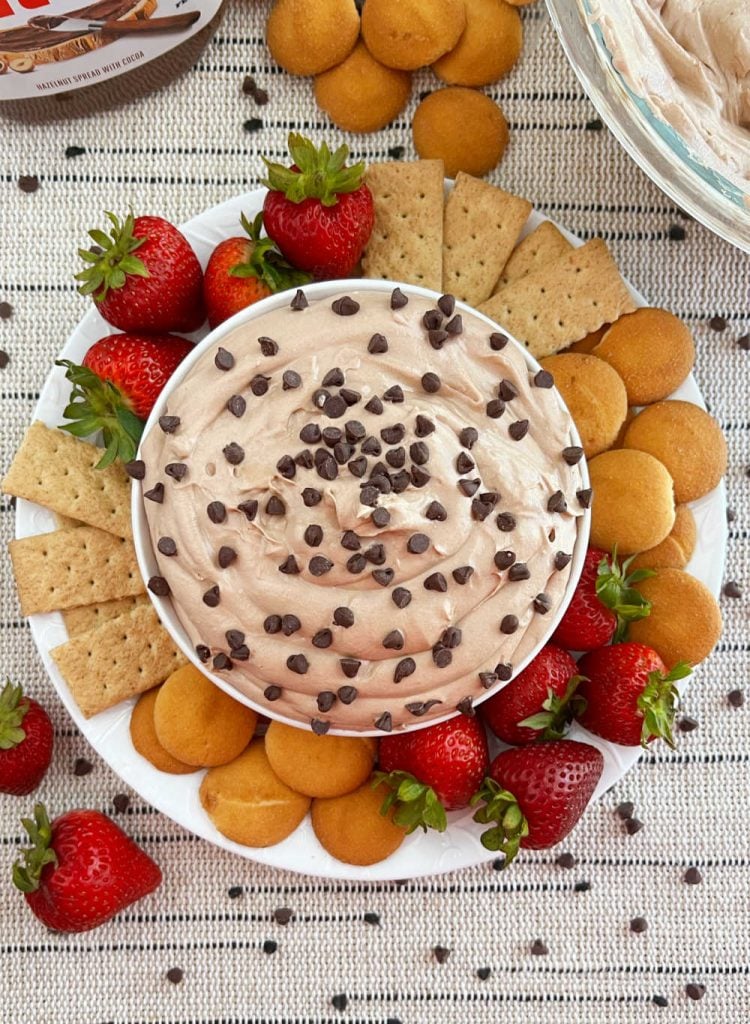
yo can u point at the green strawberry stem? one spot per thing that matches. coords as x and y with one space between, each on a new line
321 174
13 710
27 872
557 712
658 704
417 805
615 590
112 259
266 262
502 810
96 404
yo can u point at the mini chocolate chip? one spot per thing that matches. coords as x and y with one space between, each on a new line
290 380
572 455
222 662
507 390
268 346
334 407
639 925
464 463
377 344
398 299
289 566
349 666
381 517
447 304
286 466
396 457
717 323
436 512
275 506
418 543
6 311
423 426
320 397
401 597
495 408
451 637
136 469
566 860
320 565
319 727
374 406
480 509
299 301
310 433
508 624
687 724
82 767
369 495
584 497
354 431
237 405
420 708
437 338
483 973
297 663
732 589
169 423
436 581
735 698
394 434
557 502
322 639
544 379
384 722
469 487
400 481
343 616
519 429
419 476
249 507
177 470
625 810
539 948
692 877
420 453
562 558
350 541
394 641
463 574
441 656
468 437
159 586
272 624
371 446
743 342
235 638
503 671
633 825
241 653
327 467
431 383
498 341
203 652
334 378
466 707
660 1001
694 990
289 624
212 596
347 694
432 319
357 563
455 325
383 576
259 385
345 306
519 571
325 700
156 493
28 183
394 394
441 954
313 535
225 556
272 692
175 975
504 559
542 603
234 453
487 679
358 467
167 546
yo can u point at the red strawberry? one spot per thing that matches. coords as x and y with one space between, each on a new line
630 696
539 703
25 741
432 770
116 388
603 603
319 212
243 270
144 276
81 870
535 795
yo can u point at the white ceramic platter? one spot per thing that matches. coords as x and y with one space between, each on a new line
177 796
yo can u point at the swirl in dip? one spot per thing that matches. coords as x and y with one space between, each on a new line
364 508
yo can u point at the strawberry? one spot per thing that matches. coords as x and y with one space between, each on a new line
116 387
319 212
535 795
143 276
539 703
243 270
81 870
432 770
603 603
630 697
25 741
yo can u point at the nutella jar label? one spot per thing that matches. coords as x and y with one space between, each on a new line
49 46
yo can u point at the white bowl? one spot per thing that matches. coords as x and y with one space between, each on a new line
142 538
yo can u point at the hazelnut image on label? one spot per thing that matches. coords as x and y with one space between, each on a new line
361 94
307 38
410 34
488 48
463 128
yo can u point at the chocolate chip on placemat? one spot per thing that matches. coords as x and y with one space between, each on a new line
28 183
483 973
4 359
687 724
283 915
121 802
234 892
717 323
694 990
539 948
736 698
82 767
660 1000
625 810
339 1002
175 975
441 953
6 311
633 825
566 860
732 589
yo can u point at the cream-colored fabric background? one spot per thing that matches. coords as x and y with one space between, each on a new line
175 151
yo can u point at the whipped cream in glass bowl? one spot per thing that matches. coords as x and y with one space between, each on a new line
364 507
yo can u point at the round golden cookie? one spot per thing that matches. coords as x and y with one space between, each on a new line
594 395
146 742
463 128
360 94
488 48
633 505
352 829
685 620
676 550
409 34
589 343
198 723
306 39
248 802
319 765
652 350
687 440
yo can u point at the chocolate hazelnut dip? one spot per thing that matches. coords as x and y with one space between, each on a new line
363 508
690 61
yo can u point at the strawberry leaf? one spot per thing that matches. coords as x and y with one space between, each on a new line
417 805
13 710
556 714
658 703
28 871
320 174
266 263
509 826
614 588
110 263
